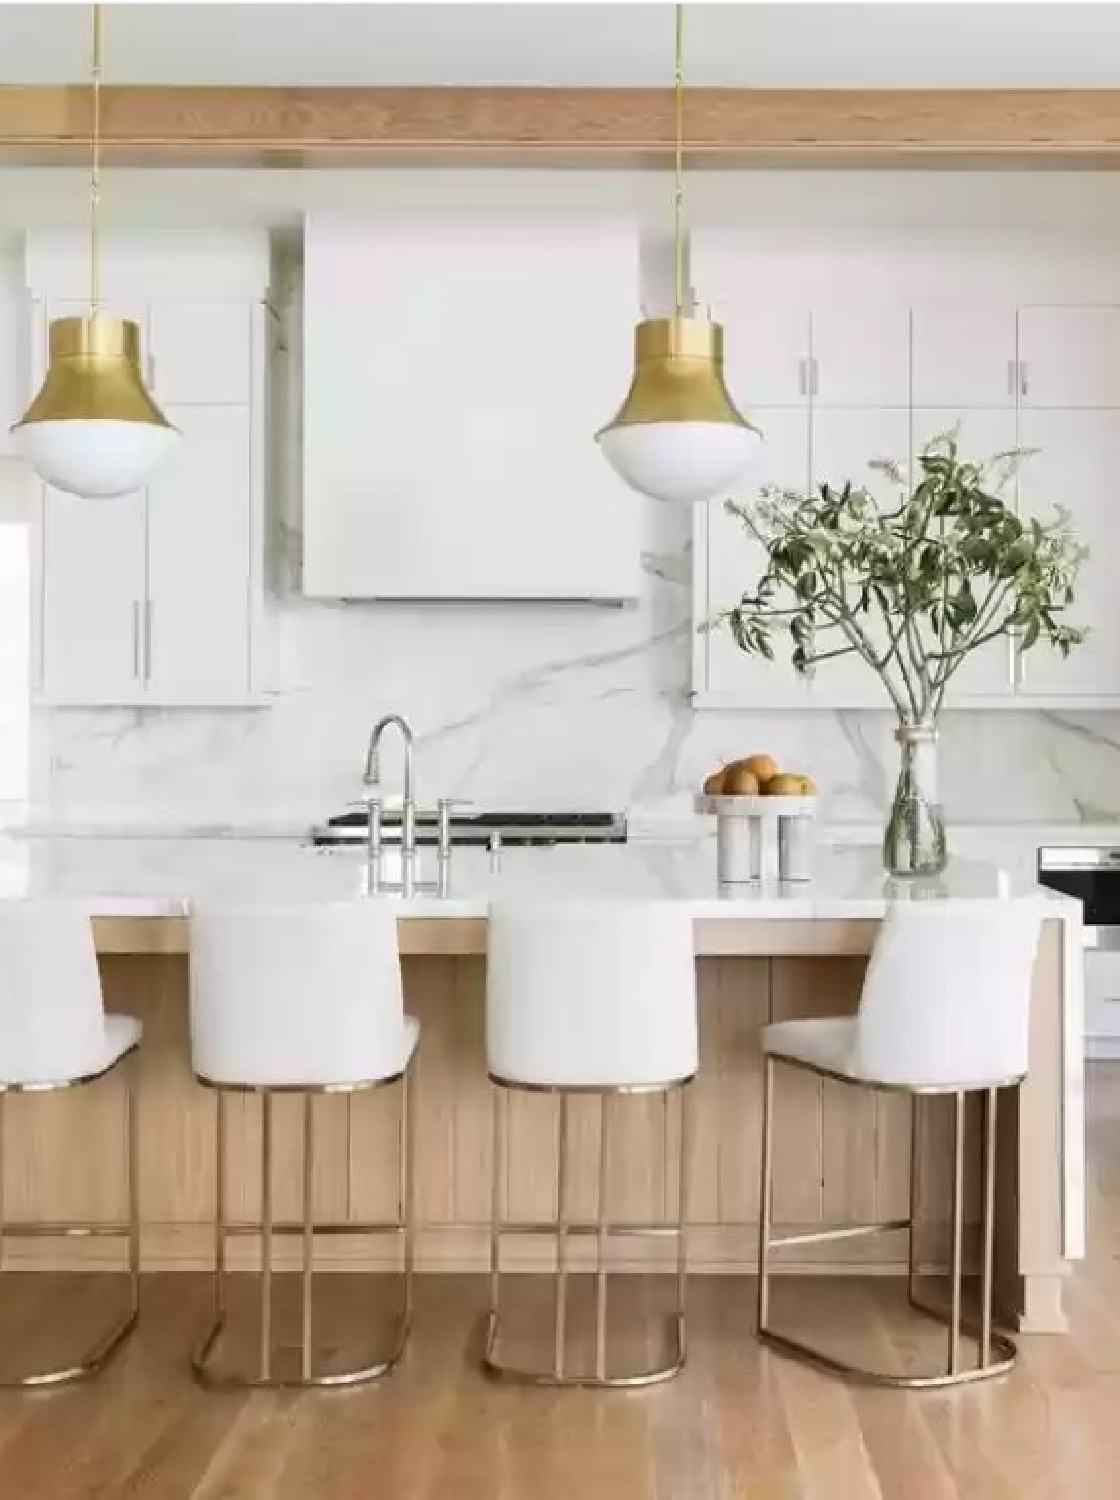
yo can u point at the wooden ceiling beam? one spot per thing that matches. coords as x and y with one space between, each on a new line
349 126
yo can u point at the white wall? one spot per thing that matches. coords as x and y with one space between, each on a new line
566 707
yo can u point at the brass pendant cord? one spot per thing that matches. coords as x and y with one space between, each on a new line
95 173
678 191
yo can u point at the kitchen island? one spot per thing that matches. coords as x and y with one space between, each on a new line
764 953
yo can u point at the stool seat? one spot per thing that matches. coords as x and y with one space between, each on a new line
121 1034
831 1045
394 1061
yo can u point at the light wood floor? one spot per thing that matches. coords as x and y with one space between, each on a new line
738 1424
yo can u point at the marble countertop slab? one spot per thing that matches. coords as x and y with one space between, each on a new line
140 877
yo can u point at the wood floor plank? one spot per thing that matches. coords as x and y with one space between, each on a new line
740 1424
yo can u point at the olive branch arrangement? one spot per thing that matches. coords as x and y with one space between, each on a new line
914 585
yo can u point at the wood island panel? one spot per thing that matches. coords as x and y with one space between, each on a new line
840 1154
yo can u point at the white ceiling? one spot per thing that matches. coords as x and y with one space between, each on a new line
891 43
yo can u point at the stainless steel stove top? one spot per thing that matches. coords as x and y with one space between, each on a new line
513 828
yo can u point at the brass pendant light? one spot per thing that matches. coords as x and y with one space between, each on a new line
678 436
93 429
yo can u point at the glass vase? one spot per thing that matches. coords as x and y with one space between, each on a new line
914 843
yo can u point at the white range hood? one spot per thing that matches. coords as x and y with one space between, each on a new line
456 364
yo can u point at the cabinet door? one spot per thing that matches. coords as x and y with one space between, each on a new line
14 373
196 630
843 442
766 341
201 352
766 351
729 563
963 355
861 354
1069 356
988 673
92 603
1075 466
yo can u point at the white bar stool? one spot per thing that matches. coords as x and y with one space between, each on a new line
305 1000
944 1010
54 1034
588 998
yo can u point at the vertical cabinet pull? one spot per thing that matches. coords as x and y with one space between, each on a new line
1014 662
802 377
147 640
1024 381
1012 377
136 639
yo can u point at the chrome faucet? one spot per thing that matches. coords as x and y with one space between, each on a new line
372 777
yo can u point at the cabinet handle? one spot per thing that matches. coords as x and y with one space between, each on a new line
147 640
1014 662
1024 383
802 377
1012 377
136 638
814 376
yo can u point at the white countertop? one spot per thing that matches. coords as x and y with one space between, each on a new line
159 877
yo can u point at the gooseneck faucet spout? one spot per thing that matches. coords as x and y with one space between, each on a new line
372 777
372 773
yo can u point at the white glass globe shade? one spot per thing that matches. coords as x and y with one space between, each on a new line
98 459
679 462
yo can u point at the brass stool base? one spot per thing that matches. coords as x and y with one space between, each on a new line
1002 1347
89 1365
600 1229
625 1381
95 1359
203 1360
995 1353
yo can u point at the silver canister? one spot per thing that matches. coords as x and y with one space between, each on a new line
795 847
738 849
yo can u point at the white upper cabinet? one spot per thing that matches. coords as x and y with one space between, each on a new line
91 614
202 351
155 599
844 442
861 354
198 621
1069 356
989 674
1076 466
964 355
457 365
729 564
14 371
767 342
884 381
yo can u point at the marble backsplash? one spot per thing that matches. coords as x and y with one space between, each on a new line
531 706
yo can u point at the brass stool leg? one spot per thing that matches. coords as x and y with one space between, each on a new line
602 1230
308 1233
766 1195
266 1238
561 1283
684 1128
958 1235
915 1201
987 1231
